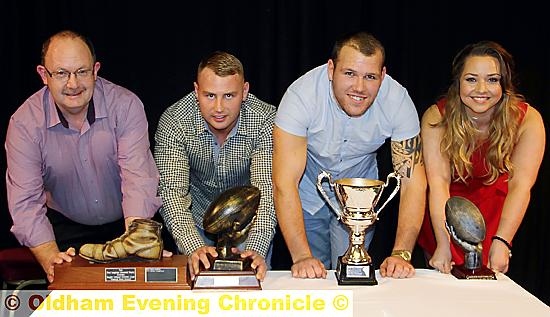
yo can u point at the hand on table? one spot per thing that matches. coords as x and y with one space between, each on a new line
258 263
396 267
48 255
309 267
442 260
201 255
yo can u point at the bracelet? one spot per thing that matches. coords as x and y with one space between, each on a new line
501 239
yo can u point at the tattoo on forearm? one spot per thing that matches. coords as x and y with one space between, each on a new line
406 155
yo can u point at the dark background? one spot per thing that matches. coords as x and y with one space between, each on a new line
153 48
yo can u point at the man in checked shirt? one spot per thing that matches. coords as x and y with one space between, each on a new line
215 138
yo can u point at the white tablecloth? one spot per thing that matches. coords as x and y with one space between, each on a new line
428 293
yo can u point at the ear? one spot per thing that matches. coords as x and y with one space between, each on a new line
41 70
196 86
330 69
97 66
383 73
246 88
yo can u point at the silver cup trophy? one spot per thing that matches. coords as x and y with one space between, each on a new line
357 198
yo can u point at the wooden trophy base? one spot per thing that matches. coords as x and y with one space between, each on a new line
227 274
166 274
355 274
482 273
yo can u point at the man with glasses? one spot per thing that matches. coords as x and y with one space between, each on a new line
79 164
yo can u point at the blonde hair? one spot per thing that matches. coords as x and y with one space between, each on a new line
222 63
460 138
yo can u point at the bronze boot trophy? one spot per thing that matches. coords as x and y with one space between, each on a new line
467 229
230 218
141 241
357 198
132 261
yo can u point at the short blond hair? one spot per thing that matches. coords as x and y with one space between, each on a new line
222 63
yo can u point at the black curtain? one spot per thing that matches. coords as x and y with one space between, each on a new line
153 48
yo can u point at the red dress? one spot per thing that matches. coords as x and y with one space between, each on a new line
488 198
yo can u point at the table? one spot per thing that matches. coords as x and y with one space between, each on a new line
429 293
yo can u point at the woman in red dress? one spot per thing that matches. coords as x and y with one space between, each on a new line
482 141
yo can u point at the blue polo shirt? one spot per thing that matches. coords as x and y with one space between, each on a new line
337 143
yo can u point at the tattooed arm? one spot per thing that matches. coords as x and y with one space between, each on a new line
407 162
406 156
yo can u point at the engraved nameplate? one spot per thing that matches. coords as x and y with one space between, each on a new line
120 274
226 280
161 274
357 271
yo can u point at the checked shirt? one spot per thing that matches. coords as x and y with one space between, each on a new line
192 175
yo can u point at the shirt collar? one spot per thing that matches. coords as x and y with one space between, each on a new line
231 133
90 115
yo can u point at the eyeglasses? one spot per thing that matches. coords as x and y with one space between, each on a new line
64 75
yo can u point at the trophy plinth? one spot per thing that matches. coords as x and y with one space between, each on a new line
80 274
466 227
357 198
354 274
230 218
227 274
481 273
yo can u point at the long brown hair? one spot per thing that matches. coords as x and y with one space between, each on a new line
460 138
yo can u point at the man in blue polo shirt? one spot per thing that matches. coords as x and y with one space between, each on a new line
334 118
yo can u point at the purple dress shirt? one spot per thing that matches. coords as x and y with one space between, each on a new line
93 176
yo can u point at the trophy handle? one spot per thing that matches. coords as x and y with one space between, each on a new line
395 190
320 178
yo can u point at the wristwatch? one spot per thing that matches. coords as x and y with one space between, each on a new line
404 254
